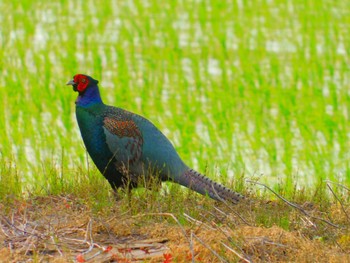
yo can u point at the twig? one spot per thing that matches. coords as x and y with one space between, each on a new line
58 249
229 206
18 229
338 245
340 202
94 255
89 235
208 247
197 222
266 240
294 205
192 254
75 239
338 184
220 229
227 216
307 220
3 230
28 244
236 253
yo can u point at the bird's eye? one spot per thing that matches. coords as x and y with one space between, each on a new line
83 80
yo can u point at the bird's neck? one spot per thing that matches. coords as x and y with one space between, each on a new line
90 96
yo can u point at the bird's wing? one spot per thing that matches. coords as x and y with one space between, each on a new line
124 139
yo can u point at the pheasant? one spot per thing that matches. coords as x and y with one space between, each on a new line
126 147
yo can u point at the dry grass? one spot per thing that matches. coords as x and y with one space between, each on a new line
66 229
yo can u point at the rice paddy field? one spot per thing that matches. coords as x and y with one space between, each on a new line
259 88
244 89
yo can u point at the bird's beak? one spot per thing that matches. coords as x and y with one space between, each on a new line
71 82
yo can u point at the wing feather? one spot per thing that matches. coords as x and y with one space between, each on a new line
124 139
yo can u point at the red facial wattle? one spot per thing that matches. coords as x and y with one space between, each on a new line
82 82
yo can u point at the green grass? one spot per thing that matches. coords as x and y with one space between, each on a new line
258 88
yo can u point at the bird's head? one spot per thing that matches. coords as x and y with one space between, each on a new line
81 82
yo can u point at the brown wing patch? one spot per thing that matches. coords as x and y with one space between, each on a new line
122 128
128 129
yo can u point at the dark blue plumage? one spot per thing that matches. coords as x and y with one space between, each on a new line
125 146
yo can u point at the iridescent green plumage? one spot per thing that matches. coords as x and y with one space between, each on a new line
126 146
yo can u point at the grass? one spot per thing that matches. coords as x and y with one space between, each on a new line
151 226
253 90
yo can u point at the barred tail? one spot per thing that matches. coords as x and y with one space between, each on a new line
205 186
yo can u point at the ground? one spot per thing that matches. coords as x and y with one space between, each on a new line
65 229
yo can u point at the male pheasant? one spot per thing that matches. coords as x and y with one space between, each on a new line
125 146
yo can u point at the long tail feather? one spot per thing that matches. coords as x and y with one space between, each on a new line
205 186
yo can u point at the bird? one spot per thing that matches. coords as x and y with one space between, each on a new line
126 146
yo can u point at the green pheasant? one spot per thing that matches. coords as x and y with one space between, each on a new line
125 146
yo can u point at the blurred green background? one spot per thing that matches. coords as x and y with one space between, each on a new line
259 88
